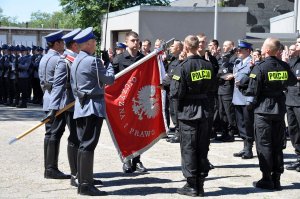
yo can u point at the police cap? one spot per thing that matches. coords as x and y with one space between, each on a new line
55 36
4 47
70 36
85 35
120 45
244 44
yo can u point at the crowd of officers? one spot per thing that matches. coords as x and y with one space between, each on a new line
238 92
19 75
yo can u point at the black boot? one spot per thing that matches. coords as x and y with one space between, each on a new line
189 188
241 153
265 183
200 187
293 165
85 174
46 141
276 180
72 157
52 171
248 150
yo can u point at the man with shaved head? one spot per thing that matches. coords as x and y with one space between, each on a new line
268 80
191 85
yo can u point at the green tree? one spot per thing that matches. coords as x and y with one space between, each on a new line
55 20
7 21
90 12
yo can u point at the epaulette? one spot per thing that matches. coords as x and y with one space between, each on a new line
70 58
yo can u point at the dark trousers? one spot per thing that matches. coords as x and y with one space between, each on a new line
167 109
244 121
213 120
174 113
22 89
55 130
2 89
71 123
194 142
269 138
36 88
293 118
88 131
227 112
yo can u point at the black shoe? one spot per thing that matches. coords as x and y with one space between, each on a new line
139 167
298 169
187 190
127 167
247 155
74 181
276 181
239 154
293 166
264 184
22 106
174 139
228 138
55 174
90 190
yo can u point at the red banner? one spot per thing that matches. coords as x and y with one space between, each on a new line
134 109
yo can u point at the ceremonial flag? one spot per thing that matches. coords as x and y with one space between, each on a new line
134 107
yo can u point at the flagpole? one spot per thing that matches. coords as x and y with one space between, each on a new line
216 20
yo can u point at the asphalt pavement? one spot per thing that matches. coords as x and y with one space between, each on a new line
22 167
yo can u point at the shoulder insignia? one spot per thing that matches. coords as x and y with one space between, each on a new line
252 75
70 58
176 77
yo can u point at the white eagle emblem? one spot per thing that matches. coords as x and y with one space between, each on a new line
146 102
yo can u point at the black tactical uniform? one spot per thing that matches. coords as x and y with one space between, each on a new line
120 62
191 86
225 94
173 101
267 82
293 113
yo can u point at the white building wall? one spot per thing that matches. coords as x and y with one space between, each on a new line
3 39
125 22
26 40
167 22
283 23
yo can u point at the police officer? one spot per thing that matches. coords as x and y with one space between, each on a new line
61 95
120 62
267 82
55 128
293 110
175 50
225 93
23 77
5 65
88 79
192 85
36 88
243 105
1 76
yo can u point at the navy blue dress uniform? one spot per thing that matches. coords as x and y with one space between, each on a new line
88 79
12 75
293 114
5 68
23 77
120 62
243 104
268 80
55 128
61 95
36 87
225 93
191 85
2 100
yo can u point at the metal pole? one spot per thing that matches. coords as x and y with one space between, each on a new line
106 25
296 16
216 20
